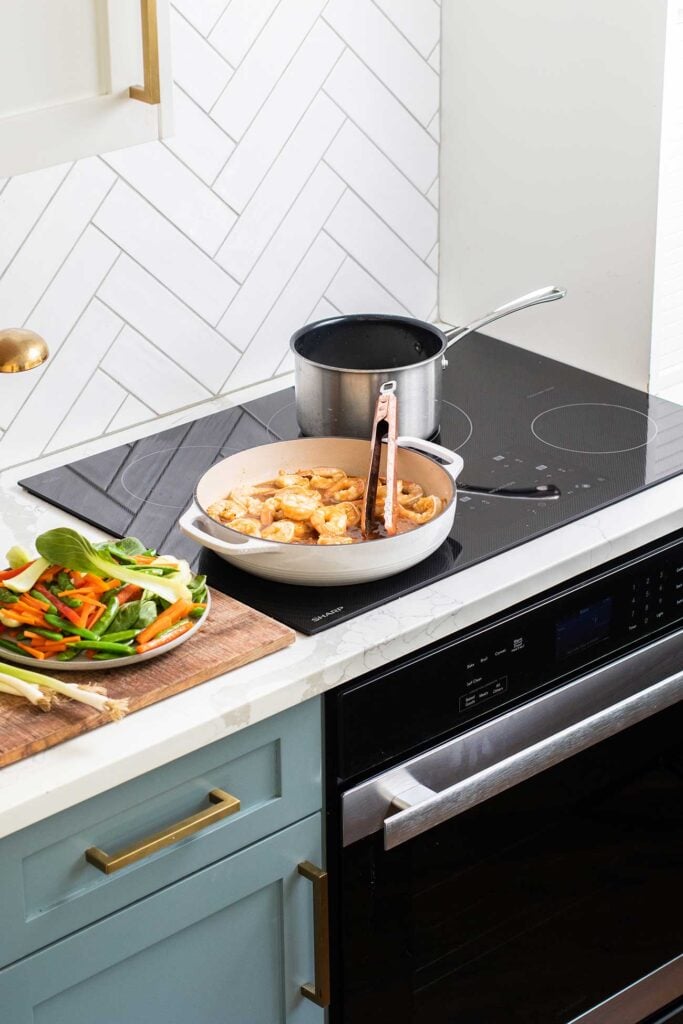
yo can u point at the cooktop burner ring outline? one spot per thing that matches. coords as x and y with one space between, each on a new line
452 405
163 451
588 451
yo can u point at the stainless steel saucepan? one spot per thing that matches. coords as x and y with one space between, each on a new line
341 363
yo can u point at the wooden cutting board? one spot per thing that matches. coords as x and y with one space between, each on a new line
233 635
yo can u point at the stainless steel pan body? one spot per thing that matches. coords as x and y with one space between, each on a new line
341 363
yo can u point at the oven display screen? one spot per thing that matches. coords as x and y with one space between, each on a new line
582 630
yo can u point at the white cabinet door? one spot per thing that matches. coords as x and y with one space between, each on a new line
66 72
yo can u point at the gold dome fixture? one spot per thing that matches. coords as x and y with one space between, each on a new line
21 350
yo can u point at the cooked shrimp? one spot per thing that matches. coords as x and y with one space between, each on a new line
330 521
248 526
245 497
226 510
327 538
422 510
285 479
321 477
282 531
351 511
408 493
269 511
303 531
298 505
348 488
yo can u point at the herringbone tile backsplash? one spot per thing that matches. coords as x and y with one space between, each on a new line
302 180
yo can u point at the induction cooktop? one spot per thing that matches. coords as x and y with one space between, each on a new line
519 420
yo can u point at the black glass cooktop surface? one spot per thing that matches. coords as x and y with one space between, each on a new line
519 421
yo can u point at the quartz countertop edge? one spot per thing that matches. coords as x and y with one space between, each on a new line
71 772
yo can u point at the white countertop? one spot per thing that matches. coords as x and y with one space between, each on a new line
46 783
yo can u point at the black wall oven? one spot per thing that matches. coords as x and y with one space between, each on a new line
505 815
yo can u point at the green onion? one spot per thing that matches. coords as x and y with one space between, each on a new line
114 708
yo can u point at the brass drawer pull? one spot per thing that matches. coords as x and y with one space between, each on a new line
150 92
224 805
319 991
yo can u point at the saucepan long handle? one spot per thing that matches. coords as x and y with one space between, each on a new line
531 299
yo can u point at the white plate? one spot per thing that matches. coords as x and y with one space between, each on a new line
83 664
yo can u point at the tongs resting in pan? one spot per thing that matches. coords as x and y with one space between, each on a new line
383 429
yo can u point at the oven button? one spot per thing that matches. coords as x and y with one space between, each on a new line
493 689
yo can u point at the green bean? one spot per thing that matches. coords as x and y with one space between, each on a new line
41 597
70 602
197 613
69 628
108 616
102 645
8 645
117 638
67 655
47 633
7 597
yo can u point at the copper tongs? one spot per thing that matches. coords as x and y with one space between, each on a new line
383 428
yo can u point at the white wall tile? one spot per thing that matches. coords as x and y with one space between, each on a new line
383 119
132 411
198 141
433 259
418 20
372 244
260 147
67 296
291 311
156 313
353 290
21 205
381 46
203 14
278 190
239 27
264 64
62 380
369 173
147 373
156 244
287 248
197 67
46 247
176 192
93 410
210 248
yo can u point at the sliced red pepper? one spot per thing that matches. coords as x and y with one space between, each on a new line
67 613
131 592
7 574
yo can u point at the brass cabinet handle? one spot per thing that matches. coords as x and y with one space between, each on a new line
150 92
224 805
319 991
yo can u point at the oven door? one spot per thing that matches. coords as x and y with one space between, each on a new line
529 871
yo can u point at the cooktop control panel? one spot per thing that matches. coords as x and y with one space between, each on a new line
450 685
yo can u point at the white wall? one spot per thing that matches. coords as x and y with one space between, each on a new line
549 172
666 365
302 180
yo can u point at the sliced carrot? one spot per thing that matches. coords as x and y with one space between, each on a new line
161 640
166 619
97 614
131 592
49 574
32 651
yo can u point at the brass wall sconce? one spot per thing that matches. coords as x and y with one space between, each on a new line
21 350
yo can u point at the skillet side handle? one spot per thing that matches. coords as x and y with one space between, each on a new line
190 523
452 462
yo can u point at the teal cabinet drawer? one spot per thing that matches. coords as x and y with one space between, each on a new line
48 889
232 944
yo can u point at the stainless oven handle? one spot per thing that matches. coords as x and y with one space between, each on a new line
421 794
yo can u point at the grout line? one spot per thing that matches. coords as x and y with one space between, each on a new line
87 383
244 58
400 31
43 212
384 84
372 277
122 177
296 197
187 306
183 369
422 259
126 396
271 91
68 254
129 394
33 223
205 39
287 281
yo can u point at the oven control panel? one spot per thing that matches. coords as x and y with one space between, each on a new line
464 680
